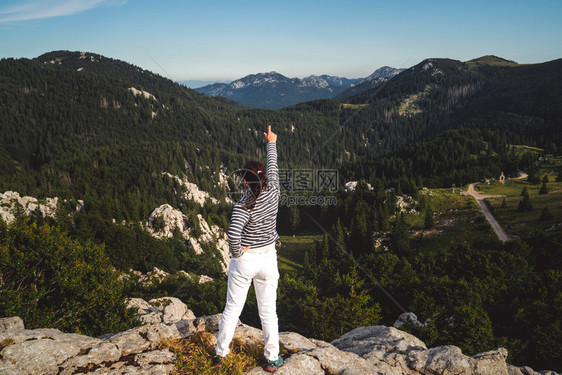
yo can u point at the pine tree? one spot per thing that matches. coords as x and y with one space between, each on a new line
546 214
400 235
544 189
429 222
294 218
525 204
504 203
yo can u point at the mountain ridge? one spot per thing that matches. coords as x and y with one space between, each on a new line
273 90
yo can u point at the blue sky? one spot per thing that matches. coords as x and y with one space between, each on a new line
225 40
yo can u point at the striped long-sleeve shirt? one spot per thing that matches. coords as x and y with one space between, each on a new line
257 227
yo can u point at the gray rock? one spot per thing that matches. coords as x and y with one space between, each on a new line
514 370
335 361
14 322
155 357
36 356
491 362
209 323
248 335
147 313
165 309
189 315
120 369
140 339
407 317
294 342
103 352
364 340
173 309
297 364
440 360
20 335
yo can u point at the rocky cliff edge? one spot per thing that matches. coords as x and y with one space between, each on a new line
373 350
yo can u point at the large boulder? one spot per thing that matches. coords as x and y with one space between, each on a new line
392 351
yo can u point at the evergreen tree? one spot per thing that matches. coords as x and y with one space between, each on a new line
400 235
533 177
294 218
429 222
525 204
546 214
504 203
543 190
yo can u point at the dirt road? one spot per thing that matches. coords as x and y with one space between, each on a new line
502 235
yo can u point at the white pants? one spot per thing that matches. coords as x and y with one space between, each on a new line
260 266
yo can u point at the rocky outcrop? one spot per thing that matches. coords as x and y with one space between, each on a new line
408 317
193 193
160 310
164 220
374 350
11 199
156 276
352 185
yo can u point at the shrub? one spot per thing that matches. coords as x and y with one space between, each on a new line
50 280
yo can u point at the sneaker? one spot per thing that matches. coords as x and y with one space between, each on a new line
272 366
217 361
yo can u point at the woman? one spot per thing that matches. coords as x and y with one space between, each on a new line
251 238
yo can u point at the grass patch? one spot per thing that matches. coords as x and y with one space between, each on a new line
353 106
522 223
490 60
291 253
528 148
457 219
194 355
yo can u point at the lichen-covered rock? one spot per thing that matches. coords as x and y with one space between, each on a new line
41 356
491 362
171 308
526 370
407 317
297 364
248 335
392 351
101 353
139 339
337 361
14 322
294 342
374 342
440 360
374 350
209 323
158 310
155 357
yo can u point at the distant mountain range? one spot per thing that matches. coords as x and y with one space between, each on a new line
273 90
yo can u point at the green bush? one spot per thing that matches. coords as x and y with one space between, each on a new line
50 280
